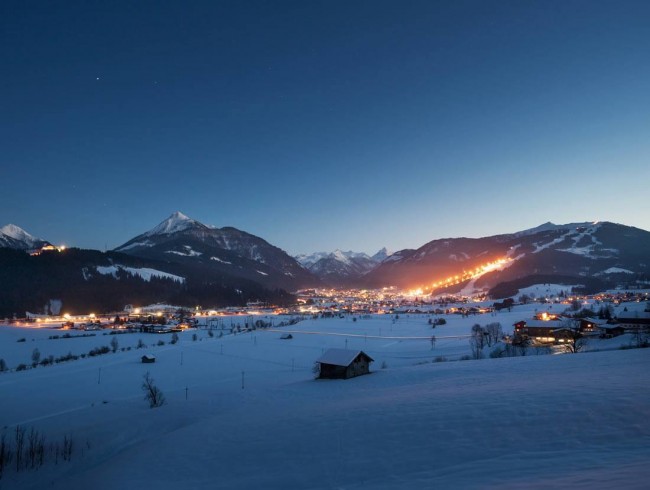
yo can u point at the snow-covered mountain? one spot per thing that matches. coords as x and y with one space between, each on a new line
341 268
12 236
548 226
181 239
576 251
382 255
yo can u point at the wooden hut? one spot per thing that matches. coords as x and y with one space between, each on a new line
343 364
148 359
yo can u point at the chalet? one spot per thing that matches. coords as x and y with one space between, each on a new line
343 364
148 359
634 324
588 325
537 330
608 331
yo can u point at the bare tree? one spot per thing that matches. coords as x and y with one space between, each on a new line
5 453
493 332
36 356
522 343
477 341
152 394
20 442
114 345
641 337
573 339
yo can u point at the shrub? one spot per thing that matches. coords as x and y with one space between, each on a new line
36 356
21 367
497 353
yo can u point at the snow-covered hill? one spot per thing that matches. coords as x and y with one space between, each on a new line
243 411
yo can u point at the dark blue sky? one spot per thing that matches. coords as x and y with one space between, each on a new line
319 125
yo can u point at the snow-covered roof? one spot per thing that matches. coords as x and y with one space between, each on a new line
340 357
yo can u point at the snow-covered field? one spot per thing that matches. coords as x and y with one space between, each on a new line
243 411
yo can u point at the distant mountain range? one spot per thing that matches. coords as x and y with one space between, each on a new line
183 261
340 268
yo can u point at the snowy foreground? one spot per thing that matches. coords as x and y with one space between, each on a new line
244 411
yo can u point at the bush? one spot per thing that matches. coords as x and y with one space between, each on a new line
141 344
21 340
3 365
497 353
440 359
21 367
194 337
160 342
98 351
174 338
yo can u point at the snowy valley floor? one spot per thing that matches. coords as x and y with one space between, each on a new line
552 421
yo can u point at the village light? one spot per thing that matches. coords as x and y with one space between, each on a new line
66 316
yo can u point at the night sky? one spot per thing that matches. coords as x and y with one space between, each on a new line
323 125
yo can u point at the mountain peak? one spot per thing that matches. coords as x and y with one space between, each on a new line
13 236
175 223
381 255
16 232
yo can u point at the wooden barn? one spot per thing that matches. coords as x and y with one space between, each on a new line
343 364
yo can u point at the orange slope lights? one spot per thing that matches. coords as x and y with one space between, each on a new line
473 273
